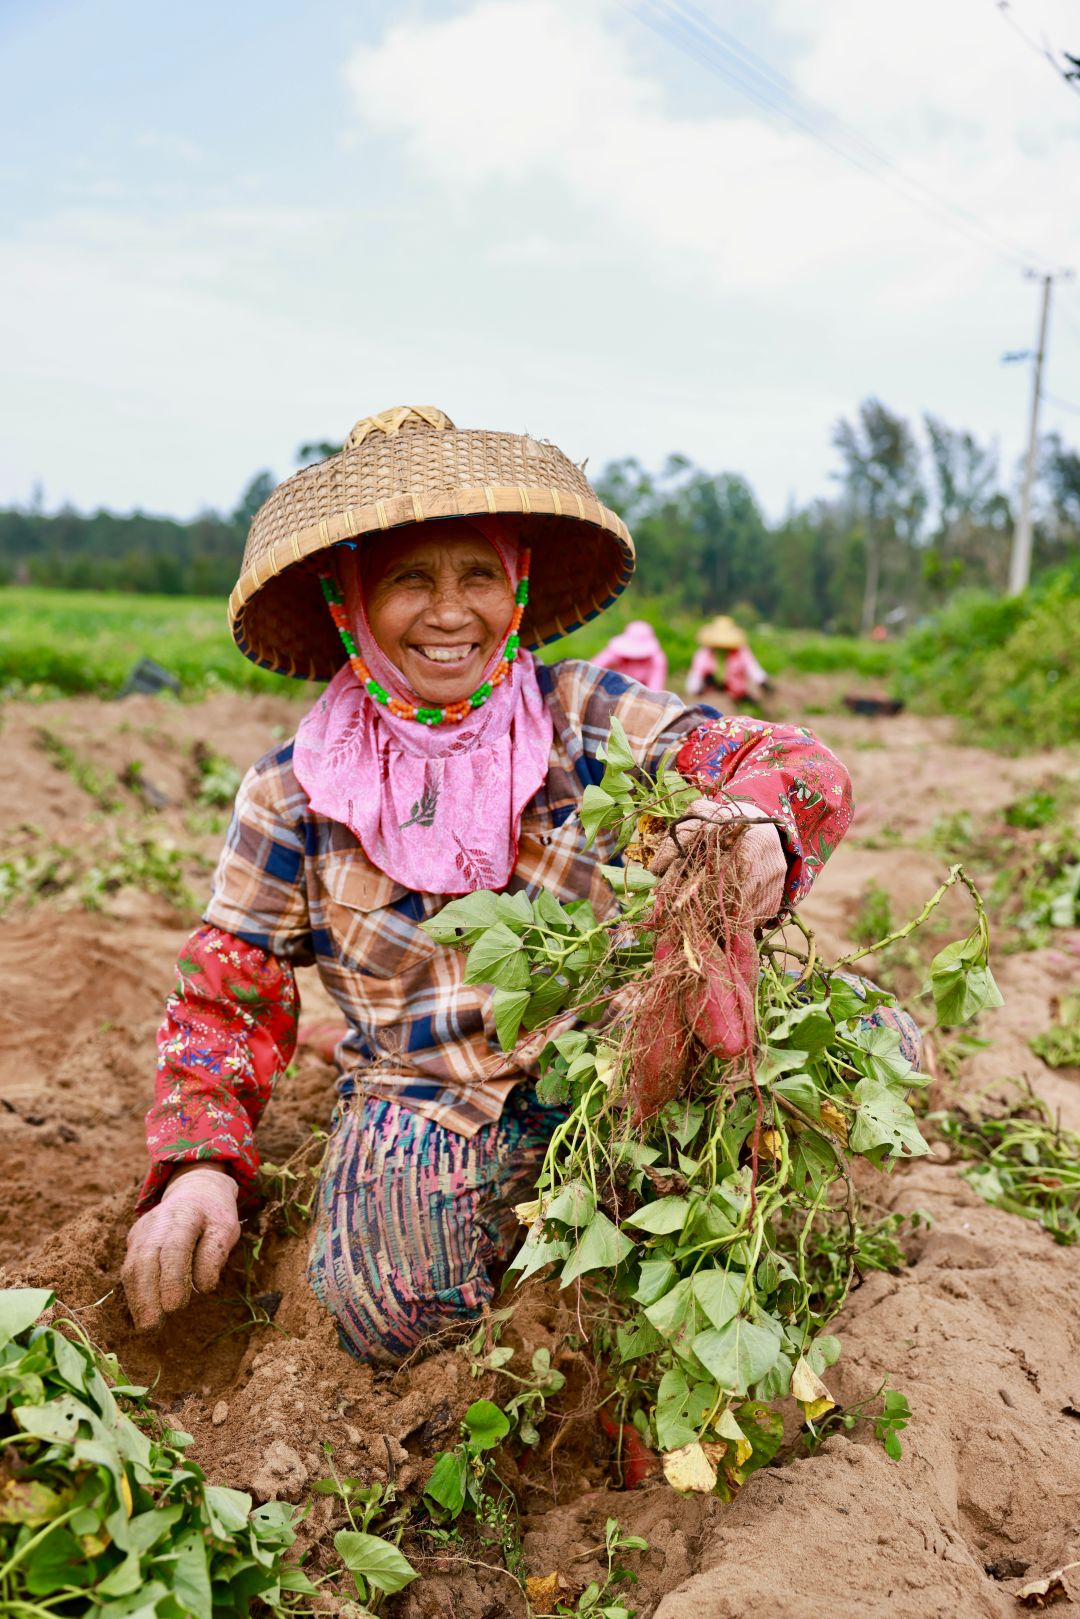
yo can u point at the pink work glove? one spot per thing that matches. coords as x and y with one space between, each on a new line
762 863
180 1244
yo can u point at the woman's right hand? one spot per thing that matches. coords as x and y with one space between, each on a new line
183 1242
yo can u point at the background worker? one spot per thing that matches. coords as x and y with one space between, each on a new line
636 652
724 664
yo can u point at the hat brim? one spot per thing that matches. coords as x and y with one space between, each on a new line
582 560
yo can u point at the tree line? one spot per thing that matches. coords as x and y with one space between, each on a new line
919 511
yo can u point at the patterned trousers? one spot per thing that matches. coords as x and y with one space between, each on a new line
411 1215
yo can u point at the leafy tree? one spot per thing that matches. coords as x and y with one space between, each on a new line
1061 479
255 495
971 518
317 450
702 540
883 484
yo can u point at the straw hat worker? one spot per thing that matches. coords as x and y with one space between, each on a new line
724 663
414 571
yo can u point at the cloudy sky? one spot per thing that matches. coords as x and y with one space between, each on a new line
228 228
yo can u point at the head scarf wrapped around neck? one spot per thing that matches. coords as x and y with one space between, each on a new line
436 808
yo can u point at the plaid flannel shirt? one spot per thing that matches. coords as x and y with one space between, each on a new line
295 889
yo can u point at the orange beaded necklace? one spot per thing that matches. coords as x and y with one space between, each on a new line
453 712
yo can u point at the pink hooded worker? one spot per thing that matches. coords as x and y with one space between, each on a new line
636 653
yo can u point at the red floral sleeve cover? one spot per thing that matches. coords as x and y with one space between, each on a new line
229 1032
785 771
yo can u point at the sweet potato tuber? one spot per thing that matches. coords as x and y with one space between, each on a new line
720 1005
659 1052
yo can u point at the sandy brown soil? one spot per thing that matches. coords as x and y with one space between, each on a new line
982 1331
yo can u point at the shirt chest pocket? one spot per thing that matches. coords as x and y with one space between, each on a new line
553 857
371 923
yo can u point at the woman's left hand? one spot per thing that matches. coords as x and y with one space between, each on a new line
762 862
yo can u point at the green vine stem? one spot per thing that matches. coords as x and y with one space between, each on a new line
957 874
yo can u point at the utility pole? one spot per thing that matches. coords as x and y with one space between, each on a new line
1020 561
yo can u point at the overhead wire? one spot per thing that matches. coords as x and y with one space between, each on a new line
684 25
1065 309
1061 404
1071 80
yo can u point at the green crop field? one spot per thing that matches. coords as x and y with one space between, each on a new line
61 641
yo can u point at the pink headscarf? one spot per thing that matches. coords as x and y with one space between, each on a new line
437 808
636 653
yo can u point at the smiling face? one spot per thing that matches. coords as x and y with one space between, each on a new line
439 609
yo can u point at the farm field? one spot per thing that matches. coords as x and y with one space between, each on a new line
112 818
54 642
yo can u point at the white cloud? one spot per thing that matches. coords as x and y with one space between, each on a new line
511 96
546 218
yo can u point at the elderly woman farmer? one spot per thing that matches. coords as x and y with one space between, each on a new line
411 571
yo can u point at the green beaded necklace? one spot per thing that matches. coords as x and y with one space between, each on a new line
453 712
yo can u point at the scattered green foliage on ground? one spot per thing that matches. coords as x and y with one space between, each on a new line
465 1480
874 917
1020 1159
1033 809
888 1423
1006 666
596 1601
101 1512
375 1563
526 1408
90 876
689 1233
1038 888
96 783
154 865
216 778
1059 1045
1029 854
834 1246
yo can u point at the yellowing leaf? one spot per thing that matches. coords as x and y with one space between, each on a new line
31 1502
650 834
542 1590
1040 1593
771 1145
689 1468
729 1429
529 1213
834 1120
810 1391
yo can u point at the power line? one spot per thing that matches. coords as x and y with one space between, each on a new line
1061 404
1073 324
682 24
1071 76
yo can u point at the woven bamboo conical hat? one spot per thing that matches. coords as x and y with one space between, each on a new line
410 466
721 634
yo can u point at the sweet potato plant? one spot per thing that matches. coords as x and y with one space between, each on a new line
697 1178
